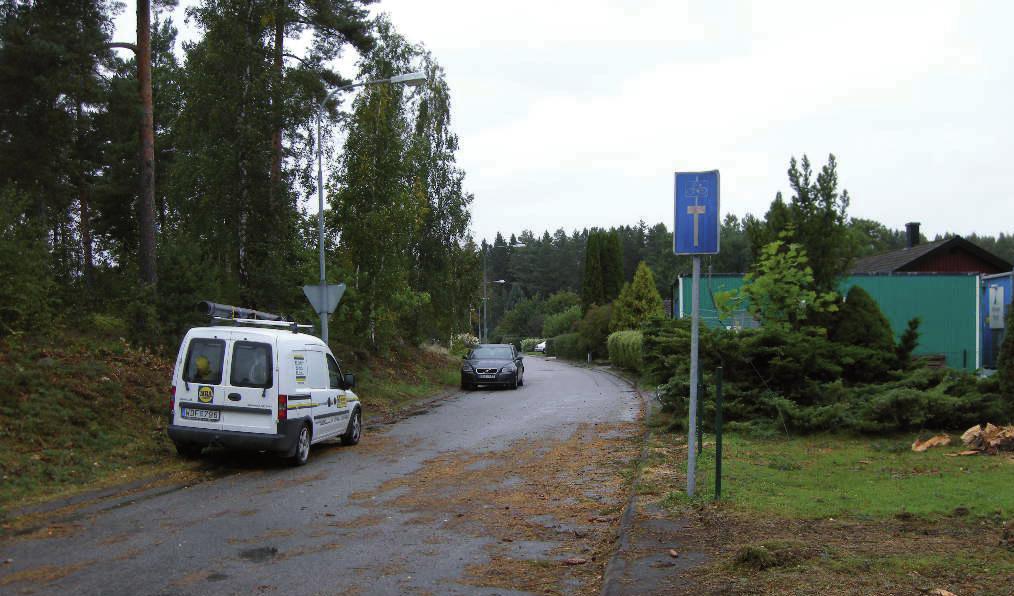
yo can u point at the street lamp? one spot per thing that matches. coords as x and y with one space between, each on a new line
485 303
411 79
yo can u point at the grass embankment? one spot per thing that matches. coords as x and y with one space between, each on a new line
81 412
837 514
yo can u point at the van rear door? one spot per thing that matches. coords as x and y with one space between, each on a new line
249 385
198 390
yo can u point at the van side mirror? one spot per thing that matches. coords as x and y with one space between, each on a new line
350 381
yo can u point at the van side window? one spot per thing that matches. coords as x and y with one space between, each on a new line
251 365
204 361
334 373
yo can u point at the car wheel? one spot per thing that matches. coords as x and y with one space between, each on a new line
521 381
355 429
514 385
302 447
189 450
465 386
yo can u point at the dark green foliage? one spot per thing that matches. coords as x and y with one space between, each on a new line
594 330
593 284
26 293
625 349
568 345
524 320
800 381
816 217
561 322
908 342
612 265
528 344
1005 361
860 322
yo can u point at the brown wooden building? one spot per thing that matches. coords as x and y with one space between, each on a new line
951 255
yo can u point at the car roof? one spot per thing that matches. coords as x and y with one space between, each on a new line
262 331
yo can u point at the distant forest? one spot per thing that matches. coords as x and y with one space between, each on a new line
554 262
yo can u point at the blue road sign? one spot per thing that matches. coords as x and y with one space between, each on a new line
697 224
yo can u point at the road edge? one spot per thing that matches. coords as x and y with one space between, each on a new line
617 564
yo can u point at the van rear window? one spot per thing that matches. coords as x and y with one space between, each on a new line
204 361
251 365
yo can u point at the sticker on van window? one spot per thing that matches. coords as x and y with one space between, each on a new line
205 394
299 366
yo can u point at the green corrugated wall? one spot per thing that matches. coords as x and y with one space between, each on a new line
945 303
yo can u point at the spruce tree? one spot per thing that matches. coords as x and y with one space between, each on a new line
860 322
638 301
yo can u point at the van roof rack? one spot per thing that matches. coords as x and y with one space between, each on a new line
293 326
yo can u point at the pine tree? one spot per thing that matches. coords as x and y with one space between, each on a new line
638 301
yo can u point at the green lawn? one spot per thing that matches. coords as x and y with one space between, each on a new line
841 476
838 514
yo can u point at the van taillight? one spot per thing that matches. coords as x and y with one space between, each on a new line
172 400
283 407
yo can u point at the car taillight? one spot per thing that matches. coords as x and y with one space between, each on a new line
283 407
172 399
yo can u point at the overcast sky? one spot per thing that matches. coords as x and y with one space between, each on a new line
576 113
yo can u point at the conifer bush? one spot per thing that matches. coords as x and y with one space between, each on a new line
1005 362
625 349
567 346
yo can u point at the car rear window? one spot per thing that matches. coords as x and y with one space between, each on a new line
204 361
251 365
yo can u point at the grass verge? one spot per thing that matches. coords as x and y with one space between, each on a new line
84 412
837 514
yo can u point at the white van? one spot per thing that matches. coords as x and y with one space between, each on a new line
262 389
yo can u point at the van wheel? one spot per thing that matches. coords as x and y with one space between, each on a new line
302 447
189 450
355 429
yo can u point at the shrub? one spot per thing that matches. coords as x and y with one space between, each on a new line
568 346
860 322
528 344
561 322
803 382
594 330
638 301
1005 361
908 342
625 349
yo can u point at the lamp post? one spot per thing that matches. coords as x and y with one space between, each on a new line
411 79
485 302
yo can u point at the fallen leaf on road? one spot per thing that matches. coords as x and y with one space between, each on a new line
940 592
673 553
575 561
937 441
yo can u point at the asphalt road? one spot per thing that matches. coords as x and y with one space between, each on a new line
417 507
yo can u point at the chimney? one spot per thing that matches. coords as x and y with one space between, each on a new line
912 234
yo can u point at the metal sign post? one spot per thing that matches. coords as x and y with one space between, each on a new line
696 232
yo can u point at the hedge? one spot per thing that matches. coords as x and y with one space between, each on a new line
568 345
528 344
625 349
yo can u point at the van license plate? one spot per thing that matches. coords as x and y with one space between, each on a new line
200 414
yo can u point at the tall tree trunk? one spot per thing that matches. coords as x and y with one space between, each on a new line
276 103
84 211
146 201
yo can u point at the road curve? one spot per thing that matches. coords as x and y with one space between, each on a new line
421 506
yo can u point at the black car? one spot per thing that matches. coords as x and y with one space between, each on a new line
493 364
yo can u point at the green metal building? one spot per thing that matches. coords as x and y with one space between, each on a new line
948 305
